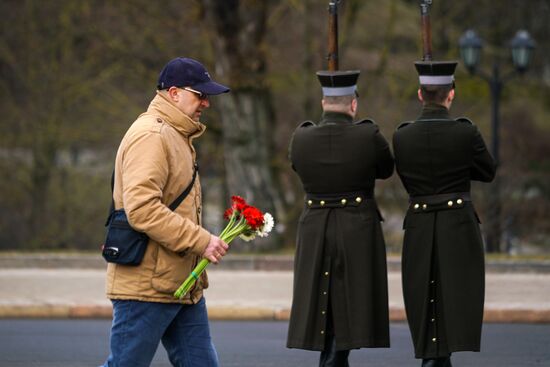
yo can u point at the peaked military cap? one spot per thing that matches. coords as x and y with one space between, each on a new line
436 72
338 83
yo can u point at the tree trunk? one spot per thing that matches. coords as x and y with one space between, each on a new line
388 36
308 62
43 164
247 113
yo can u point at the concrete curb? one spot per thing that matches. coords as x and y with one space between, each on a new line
236 262
244 313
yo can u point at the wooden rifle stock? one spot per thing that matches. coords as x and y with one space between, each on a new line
426 30
332 56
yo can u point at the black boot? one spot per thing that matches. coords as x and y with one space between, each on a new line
437 362
331 357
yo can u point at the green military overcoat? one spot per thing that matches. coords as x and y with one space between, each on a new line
443 276
340 263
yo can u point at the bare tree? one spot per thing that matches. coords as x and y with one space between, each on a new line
247 113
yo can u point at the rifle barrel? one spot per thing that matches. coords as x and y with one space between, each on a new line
426 30
332 56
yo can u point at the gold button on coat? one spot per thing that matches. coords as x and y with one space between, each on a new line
450 203
459 201
309 202
358 199
322 202
424 206
416 206
344 201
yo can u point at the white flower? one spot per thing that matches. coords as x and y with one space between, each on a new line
269 222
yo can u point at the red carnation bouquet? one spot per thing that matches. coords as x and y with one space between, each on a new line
246 222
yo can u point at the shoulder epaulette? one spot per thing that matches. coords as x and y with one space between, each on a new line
157 125
364 121
307 123
403 124
464 119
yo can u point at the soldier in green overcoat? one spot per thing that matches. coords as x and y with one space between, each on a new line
340 299
443 275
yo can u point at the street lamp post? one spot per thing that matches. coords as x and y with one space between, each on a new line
470 50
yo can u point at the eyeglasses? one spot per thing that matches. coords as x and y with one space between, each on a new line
202 96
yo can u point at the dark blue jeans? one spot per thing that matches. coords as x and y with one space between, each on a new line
138 327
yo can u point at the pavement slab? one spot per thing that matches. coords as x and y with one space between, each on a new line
243 294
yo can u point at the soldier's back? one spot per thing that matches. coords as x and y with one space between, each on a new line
335 157
435 156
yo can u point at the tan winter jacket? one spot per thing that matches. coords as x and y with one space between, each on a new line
154 164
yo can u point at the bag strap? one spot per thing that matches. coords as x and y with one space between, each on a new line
174 204
112 208
187 190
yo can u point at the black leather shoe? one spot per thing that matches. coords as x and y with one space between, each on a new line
437 362
331 357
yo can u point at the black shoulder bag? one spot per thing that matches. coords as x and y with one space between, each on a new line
123 244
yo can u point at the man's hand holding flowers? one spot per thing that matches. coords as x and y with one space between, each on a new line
245 221
215 249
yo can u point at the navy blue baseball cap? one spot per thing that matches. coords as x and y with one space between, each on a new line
185 72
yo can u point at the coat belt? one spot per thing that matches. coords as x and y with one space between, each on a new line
337 200
439 201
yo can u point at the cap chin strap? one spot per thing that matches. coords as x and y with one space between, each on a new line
436 79
339 91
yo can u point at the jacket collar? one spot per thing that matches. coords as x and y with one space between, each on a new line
433 111
335 118
162 107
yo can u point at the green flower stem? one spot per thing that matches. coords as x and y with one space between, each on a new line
235 231
191 279
230 232
230 224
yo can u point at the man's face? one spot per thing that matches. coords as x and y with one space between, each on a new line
189 101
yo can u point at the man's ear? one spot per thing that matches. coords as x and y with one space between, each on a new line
354 105
173 93
420 98
451 95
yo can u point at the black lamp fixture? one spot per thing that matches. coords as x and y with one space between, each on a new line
470 49
522 46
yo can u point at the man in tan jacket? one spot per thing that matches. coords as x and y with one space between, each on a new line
154 164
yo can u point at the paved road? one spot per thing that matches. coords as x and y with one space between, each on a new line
79 343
